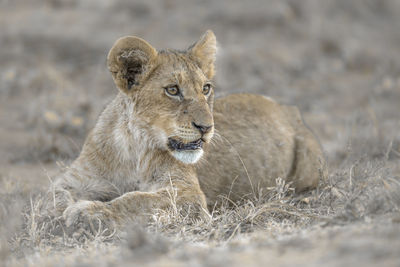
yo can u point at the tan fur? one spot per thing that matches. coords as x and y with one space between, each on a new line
126 170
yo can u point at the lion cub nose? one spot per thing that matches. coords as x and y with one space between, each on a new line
203 129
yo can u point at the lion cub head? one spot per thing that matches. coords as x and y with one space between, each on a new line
171 90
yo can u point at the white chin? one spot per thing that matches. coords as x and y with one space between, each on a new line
188 156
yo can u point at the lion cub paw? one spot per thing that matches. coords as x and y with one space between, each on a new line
88 218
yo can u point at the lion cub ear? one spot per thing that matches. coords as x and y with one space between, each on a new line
204 53
128 60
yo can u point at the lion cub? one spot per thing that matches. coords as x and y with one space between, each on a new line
164 141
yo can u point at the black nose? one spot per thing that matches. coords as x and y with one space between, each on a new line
203 129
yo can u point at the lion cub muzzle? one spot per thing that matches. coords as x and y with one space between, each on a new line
187 145
202 128
179 146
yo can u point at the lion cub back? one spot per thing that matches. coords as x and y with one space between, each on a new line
257 141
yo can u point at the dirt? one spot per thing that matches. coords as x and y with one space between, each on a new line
337 60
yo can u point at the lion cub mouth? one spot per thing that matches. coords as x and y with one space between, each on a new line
176 145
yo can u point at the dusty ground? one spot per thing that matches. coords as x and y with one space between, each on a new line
338 60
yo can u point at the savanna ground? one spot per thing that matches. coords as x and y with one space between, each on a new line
337 60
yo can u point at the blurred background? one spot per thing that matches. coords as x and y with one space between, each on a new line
337 60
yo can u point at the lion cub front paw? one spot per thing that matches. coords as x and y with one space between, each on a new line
89 217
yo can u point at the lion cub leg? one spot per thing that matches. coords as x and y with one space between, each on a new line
309 163
308 166
134 206
142 204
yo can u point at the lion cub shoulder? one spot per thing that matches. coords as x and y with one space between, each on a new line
258 141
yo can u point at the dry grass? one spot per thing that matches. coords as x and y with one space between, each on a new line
360 191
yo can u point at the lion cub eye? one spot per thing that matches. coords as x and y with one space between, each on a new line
172 90
206 89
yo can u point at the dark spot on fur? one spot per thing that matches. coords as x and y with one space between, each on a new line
131 75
